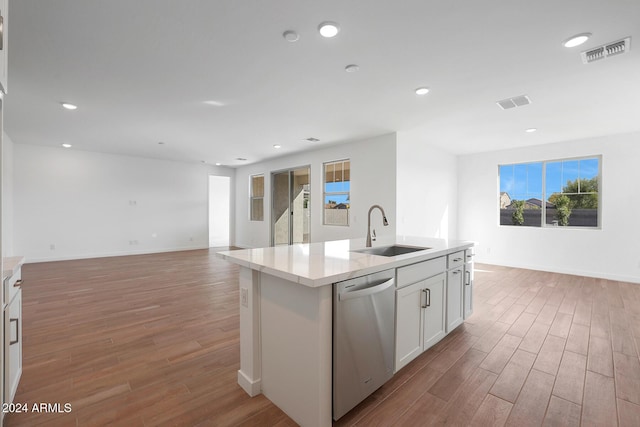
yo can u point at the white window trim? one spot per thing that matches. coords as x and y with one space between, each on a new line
324 193
252 197
544 195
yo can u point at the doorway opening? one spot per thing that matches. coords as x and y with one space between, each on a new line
219 207
290 206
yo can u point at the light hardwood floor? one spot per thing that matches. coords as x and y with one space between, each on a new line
153 340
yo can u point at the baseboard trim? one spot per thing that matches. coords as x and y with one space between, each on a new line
252 387
29 259
595 274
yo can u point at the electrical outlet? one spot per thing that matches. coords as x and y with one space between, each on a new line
488 251
244 297
52 247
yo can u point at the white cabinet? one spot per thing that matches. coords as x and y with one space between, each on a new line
468 283
432 298
3 45
433 323
455 290
12 336
420 317
13 346
408 324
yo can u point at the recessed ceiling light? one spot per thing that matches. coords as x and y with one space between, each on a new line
352 68
66 145
276 146
422 91
530 130
291 36
328 29
69 106
576 40
214 103
218 164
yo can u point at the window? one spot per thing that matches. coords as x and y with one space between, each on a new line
551 193
337 186
256 202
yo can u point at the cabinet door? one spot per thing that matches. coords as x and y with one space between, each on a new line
433 325
455 284
408 320
13 346
468 289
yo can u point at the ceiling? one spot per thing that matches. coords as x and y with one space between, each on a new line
140 72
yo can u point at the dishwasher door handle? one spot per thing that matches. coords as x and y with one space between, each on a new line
367 291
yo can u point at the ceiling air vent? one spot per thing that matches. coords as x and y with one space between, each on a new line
516 101
605 51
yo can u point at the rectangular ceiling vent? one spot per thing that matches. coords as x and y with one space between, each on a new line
607 50
516 101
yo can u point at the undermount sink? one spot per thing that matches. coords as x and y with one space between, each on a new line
392 250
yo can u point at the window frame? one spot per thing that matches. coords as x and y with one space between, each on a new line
253 197
545 197
337 193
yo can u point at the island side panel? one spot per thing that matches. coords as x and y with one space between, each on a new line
249 375
296 336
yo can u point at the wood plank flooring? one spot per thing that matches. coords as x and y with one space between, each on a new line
141 340
152 340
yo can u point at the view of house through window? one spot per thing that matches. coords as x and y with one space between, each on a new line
337 187
568 189
256 202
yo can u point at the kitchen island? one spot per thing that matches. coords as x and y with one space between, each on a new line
286 315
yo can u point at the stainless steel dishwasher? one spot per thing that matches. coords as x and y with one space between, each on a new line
363 338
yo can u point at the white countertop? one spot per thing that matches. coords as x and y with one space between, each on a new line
318 264
10 265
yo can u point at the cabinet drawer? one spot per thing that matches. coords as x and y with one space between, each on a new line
10 288
420 271
469 254
455 259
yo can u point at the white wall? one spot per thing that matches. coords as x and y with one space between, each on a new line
90 204
610 252
427 188
219 210
7 196
373 181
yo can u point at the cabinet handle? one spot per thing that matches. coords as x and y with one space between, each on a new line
427 298
456 272
468 274
457 259
17 331
18 283
471 255
1 31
